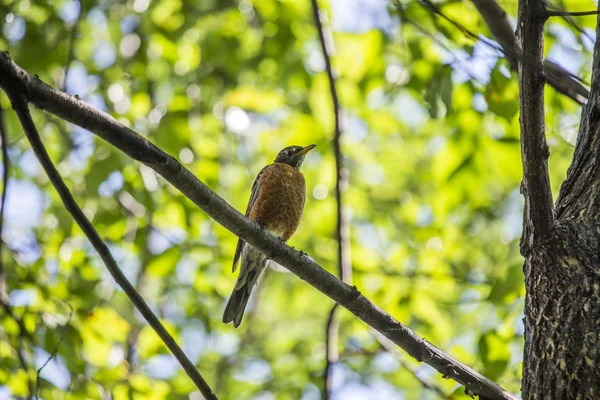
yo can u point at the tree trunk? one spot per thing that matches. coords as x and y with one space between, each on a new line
562 315
562 276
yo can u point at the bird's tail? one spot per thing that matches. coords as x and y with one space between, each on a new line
253 263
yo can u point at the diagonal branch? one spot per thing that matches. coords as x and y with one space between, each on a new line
436 10
136 146
495 18
425 382
17 96
571 13
342 232
539 213
563 81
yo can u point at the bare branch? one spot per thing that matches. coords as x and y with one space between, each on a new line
136 146
539 213
561 80
436 10
495 18
342 231
72 38
571 21
426 383
571 14
456 61
16 93
332 353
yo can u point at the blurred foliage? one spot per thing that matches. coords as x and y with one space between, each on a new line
430 143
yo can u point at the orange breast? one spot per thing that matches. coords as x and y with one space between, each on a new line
280 200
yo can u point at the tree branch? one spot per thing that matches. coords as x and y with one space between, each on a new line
436 10
342 232
72 38
78 112
332 353
563 81
342 229
425 382
578 199
456 61
16 91
539 213
571 14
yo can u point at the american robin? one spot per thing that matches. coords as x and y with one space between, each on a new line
276 203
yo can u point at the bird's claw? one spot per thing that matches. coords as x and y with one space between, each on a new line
303 254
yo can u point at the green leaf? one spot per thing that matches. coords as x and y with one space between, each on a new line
164 264
494 353
502 94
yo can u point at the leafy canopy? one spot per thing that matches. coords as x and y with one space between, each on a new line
432 151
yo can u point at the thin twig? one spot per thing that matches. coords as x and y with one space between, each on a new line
342 229
571 14
455 59
331 350
571 21
53 354
560 79
20 105
141 149
426 383
73 36
436 10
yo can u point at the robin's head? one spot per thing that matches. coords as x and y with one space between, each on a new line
293 155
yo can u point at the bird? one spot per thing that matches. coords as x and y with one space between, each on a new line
276 204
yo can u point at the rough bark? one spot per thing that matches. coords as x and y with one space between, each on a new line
562 258
562 316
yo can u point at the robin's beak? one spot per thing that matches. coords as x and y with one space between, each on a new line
306 149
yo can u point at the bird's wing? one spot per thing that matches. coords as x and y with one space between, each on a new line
253 197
